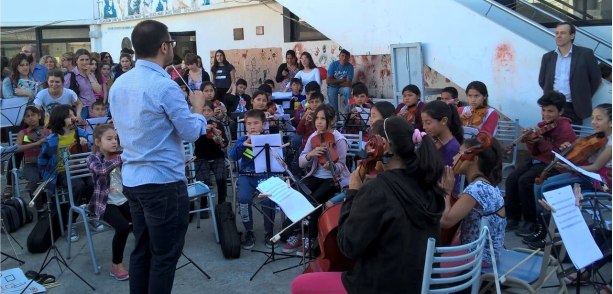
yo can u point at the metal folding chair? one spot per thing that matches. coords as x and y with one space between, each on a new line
355 145
582 131
506 133
16 174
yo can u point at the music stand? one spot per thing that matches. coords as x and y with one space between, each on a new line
361 124
272 255
12 111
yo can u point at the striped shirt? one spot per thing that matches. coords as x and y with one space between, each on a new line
152 118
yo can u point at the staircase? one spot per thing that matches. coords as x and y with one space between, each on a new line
464 40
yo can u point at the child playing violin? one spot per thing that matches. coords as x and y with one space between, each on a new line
109 203
208 89
354 122
598 161
519 184
441 121
480 160
52 153
411 106
247 183
478 116
210 155
320 179
29 140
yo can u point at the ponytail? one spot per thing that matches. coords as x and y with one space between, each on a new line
422 159
438 110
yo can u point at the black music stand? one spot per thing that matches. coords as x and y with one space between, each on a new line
360 124
272 255
7 153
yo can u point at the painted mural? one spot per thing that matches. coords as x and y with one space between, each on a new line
121 10
254 65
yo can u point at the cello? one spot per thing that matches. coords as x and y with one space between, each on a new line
485 140
331 258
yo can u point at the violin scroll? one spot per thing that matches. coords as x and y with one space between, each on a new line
372 152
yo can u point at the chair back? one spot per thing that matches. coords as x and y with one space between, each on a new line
76 168
470 271
582 131
506 133
12 140
355 145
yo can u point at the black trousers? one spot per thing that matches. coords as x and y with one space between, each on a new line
519 199
322 191
160 216
82 189
119 218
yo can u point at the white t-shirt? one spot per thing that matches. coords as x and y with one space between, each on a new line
45 100
313 75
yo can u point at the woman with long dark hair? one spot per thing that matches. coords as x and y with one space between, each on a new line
308 70
385 223
223 74
287 71
20 83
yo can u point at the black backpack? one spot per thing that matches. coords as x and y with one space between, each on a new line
74 85
39 239
229 238
10 218
25 216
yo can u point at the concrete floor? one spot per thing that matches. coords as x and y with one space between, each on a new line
227 276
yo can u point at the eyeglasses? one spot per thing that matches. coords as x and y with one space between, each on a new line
173 43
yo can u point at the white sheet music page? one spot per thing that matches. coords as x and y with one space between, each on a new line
589 174
294 205
578 240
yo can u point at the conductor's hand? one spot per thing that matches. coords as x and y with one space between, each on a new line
196 98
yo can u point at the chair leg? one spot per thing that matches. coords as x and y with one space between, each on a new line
198 207
212 211
59 213
90 243
69 230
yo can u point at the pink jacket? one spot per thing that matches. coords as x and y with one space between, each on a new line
340 167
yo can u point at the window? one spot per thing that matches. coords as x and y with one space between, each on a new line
300 30
78 33
54 41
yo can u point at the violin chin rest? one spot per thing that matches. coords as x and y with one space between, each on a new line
362 154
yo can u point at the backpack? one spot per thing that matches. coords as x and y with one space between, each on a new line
229 238
39 239
74 85
10 218
25 216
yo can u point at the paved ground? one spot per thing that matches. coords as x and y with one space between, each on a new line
227 276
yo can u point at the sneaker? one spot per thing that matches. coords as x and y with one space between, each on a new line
512 224
267 241
572 278
96 225
540 233
119 272
74 235
304 248
204 215
527 229
293 243
249 241
538 244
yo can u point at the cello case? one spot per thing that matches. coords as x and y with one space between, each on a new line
229 238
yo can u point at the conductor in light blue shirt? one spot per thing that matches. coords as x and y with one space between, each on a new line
152 120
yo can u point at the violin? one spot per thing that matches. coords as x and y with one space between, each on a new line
215 134
327 141
531 135
476 116
76 147
272 107
372 152
579 151
411 111
437 142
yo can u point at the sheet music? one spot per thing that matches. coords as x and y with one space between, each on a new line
579 243
91 125
588 174
259 141
12 111
14 281
294 204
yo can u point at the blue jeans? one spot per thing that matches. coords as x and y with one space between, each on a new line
333 96
246 187
556 182
160 216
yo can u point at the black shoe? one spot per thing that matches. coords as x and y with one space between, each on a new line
249 241
267 241
540 233
527 229
204 215
538 244
512 224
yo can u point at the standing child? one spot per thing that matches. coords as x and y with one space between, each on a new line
125 64
441 121
411 106
478 116
52 152
29 140
520 183
480 199
108 202
247 183
237 100
105 70
210 155
354 122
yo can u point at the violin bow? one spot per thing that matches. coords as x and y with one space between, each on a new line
180 76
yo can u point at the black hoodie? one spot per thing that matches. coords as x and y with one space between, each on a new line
385 227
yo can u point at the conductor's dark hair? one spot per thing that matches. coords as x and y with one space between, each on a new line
147 37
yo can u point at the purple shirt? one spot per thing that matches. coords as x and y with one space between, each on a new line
448 151
86 93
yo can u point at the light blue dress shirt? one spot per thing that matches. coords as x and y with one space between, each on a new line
40 73
561 80
152 118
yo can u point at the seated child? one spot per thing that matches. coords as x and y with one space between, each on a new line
310 88
297 97
411 106
476 93
248 180
208 89
237 100
354 118
271 83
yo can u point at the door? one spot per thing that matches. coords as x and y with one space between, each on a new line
407 68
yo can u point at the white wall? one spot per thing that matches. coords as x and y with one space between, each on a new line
214 29
44 12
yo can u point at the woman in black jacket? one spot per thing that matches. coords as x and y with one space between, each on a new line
385 223
288 70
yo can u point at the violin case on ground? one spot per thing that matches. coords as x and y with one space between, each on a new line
15 214
39 239
229 238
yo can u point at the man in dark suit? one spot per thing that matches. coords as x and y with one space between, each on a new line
573 71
